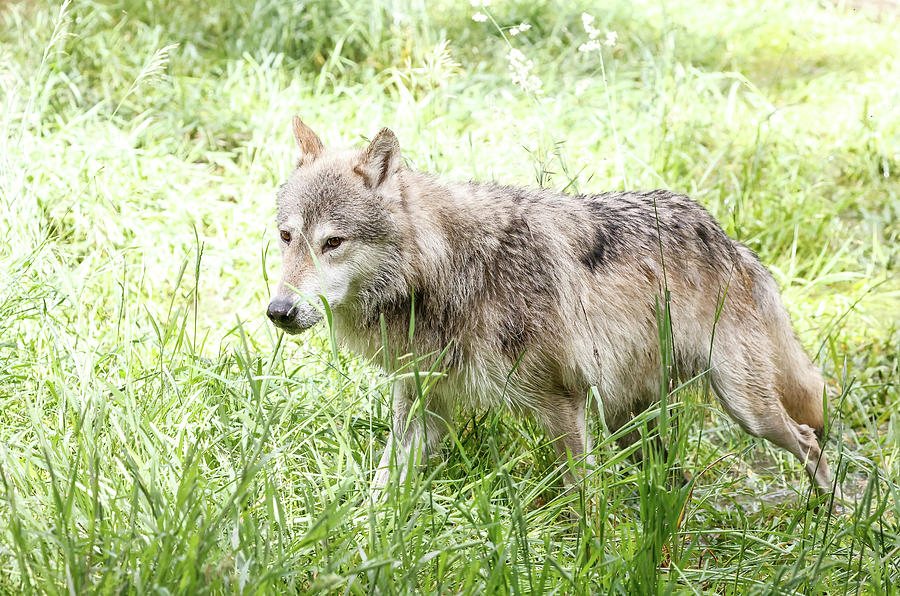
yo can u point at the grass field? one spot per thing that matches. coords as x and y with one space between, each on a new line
158 436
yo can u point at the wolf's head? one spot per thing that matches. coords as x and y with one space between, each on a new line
336 228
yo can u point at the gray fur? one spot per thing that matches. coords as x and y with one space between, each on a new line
565 286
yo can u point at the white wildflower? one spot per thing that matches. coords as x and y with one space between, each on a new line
588 21
521 71
521 27
593 43
590 46
581 86
479 17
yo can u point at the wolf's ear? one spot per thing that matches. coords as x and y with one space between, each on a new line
308 142
381 159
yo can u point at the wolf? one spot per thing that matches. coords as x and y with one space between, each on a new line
526 299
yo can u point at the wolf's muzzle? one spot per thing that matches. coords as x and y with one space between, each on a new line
291 315
282 312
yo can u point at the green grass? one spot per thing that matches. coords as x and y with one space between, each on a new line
158 436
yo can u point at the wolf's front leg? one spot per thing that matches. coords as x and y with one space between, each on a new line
566 425
417 431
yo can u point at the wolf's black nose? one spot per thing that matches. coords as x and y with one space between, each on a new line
281 311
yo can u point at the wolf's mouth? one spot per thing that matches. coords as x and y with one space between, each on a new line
292 318
296 326
291 329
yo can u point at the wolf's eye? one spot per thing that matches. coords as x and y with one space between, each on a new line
332 242
286 236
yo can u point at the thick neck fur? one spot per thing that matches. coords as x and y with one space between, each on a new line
458 246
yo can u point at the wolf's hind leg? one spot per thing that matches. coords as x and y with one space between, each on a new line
801 387
800 439
749 395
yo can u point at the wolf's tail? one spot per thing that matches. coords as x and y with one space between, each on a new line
801 386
